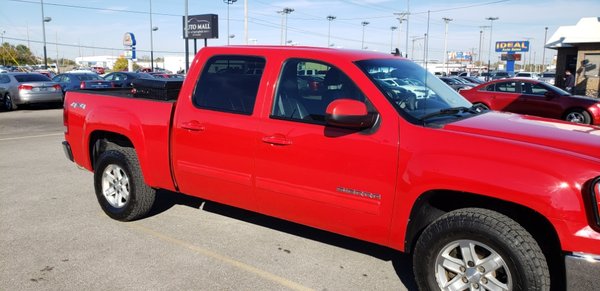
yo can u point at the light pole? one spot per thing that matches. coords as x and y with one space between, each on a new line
392 28
284 13
528 62
544 49
446 21
330 18
402 17
2 45
228 2
44 20
491 19
362 44
481 28
152 30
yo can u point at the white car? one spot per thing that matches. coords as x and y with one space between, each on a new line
548 77
527 75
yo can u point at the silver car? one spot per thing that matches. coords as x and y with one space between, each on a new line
27 88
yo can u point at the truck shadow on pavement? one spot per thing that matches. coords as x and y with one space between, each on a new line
402 262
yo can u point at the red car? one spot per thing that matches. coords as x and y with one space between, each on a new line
534 98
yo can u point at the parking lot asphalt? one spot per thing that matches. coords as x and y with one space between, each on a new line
54 236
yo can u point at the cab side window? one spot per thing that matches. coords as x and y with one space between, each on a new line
229 84
303 97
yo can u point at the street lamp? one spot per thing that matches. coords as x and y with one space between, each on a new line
362 45
446 21
2 45
228 2
330 18
44 20
528 62
544 49
481 28
152 30
491 19
284 13
392 28
403 17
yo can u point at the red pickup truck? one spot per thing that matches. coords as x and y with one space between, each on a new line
482 200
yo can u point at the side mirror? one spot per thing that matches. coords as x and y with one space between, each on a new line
349 113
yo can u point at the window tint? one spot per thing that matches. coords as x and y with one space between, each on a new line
533 89
109 77
229 83
305 97
31 78
84 77
4 79
508 87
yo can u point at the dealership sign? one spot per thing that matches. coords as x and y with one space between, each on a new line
202 26
512 46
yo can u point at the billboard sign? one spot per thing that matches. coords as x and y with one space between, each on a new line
202 26
460 56
512 46
129 39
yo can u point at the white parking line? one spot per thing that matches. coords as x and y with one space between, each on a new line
227 260
31 136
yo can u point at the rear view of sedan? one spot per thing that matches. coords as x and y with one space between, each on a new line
27 88
532 97
80 80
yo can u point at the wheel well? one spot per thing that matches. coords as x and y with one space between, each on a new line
100 141
433 204
575 109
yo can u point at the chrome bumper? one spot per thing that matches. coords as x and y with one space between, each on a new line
583 271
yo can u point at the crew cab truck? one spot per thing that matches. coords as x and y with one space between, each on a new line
482 200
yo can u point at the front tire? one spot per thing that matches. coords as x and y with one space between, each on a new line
120 187
578 116
479 249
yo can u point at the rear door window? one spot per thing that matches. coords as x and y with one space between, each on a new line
506 87
31 78
229 84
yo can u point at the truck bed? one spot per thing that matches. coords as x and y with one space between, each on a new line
143 122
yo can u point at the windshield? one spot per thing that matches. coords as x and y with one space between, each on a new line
86 77
426 94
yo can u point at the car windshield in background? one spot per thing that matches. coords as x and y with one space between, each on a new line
425 99
31 78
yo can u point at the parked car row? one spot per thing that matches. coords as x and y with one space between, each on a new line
534 97
21 88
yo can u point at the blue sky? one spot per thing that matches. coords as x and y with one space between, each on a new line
85 27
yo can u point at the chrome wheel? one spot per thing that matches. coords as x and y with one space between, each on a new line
471 265
576 117
115 186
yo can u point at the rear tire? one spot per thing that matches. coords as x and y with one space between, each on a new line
479 249
120 187
8 103
578 116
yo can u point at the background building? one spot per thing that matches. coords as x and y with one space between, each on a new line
578 49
